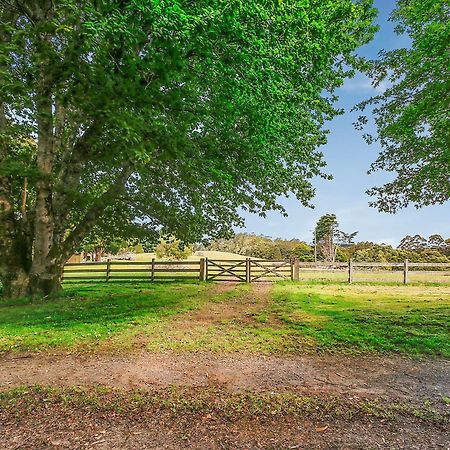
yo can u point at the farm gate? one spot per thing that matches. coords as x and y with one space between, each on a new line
247 270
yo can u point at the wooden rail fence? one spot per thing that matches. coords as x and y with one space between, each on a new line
242 270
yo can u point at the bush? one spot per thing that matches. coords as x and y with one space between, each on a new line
171 248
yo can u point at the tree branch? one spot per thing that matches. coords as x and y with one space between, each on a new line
92 214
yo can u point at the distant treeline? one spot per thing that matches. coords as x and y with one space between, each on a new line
414 248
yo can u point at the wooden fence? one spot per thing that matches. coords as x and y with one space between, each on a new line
243 270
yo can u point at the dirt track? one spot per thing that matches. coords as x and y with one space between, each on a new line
392 377
53 426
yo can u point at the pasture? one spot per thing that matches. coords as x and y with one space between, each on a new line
286 317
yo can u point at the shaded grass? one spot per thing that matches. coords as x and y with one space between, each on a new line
316 317
179 402
88 313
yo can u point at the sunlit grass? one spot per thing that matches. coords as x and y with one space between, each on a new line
89 313
288 318
358 318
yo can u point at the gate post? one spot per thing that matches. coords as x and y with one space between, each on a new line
202 275
350 270
206 269
296 271
248 276
405 272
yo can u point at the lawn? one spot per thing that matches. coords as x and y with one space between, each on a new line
283 318
85 314
407 319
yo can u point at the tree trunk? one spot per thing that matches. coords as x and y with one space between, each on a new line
45 283
15 283
19 283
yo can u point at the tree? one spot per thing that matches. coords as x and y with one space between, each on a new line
344 239
437 242
168 116
415 243
412 115
172 248
324 235
328 237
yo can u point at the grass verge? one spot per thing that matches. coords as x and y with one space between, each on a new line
176 402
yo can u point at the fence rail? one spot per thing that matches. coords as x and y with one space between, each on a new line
249 270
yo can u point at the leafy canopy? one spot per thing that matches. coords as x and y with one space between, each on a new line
170 115
412 115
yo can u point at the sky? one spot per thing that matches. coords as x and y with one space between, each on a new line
348 158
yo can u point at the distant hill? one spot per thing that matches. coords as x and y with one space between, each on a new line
211 254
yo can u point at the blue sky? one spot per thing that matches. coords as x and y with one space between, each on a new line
348 158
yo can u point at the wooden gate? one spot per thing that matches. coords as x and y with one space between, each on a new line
226 270
261 270
248 270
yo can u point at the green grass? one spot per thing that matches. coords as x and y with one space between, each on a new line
293 318
366 318
85 314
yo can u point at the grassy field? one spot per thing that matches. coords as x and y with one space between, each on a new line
376 276
313 317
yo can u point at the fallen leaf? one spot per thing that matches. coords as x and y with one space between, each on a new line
321 429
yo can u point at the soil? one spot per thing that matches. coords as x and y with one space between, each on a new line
391 378
53 428
241 308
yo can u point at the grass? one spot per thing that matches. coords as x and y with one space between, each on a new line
85 314
213 402
375 276
312 317
368 318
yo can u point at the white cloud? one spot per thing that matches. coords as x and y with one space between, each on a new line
362 83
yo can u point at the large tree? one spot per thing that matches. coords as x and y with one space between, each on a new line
412 114
167 115
328 238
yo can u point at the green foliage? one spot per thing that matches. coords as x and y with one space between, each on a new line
138 248
97 243
172 248
415 249
264 247
368 251
326 227
330 240
162 117
412 114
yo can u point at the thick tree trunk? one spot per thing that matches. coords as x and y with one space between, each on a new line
18 281
45 283
15 283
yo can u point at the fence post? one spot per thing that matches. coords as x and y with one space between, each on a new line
248 276
296 273
202 269
350 270
108 268
206 269
405 272
153 270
